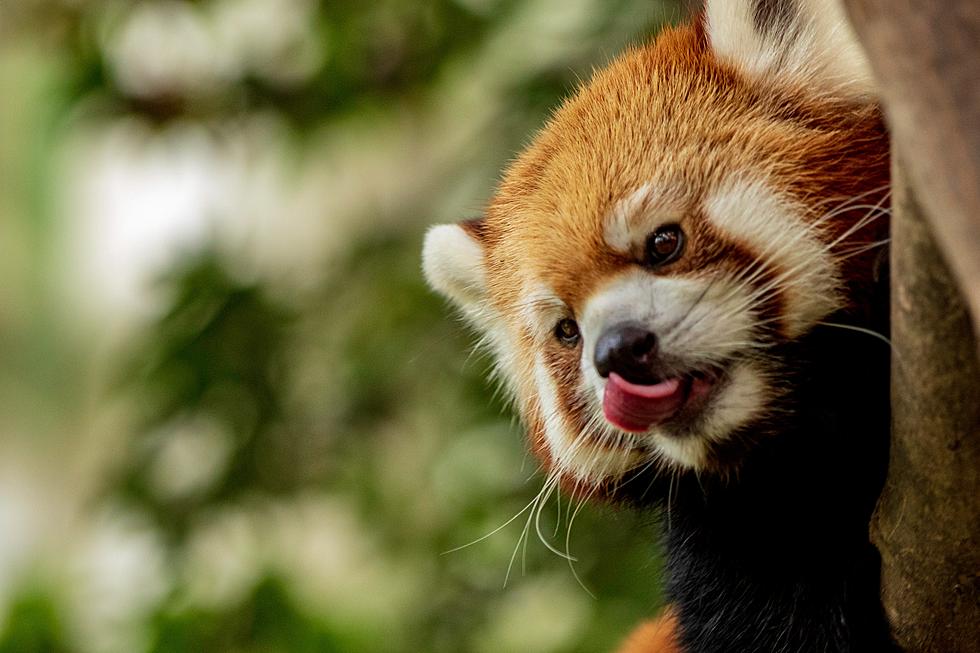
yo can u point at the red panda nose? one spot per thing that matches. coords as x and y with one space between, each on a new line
629 350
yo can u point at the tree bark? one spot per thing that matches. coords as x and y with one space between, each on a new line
927 526
926 59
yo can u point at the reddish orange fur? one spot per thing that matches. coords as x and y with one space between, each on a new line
654 636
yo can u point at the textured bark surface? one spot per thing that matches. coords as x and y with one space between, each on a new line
927 527
926 58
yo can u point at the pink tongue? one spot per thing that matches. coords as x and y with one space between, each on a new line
636 408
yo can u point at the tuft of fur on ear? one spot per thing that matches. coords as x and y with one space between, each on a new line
452 260
807 41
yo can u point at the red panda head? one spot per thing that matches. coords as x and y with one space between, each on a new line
700 202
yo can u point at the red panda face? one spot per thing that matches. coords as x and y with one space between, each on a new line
646 260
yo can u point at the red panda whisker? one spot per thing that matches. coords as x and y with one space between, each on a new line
697 477
766 255
841 200
861 249
761 264
655 462
874 334
691 308
549 489
524 557
848 208
861 246
864 222
568 540
491 533
682 328
748 305
670 495
557 514
550 482
662 467
784 276
879 205
763 294
874 212
521 538
763 260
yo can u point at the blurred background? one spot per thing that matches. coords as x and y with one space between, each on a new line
232 417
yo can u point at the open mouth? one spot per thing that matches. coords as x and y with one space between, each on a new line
637 408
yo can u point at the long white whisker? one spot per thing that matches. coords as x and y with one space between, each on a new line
494 531
568 539
537 522
524 533
870 332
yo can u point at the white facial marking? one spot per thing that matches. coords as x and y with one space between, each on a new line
540 308
575 452
636 216
774 228
745 394
686 452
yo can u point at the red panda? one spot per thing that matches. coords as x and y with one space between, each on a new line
681 282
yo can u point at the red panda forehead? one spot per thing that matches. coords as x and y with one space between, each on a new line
650 111
672 111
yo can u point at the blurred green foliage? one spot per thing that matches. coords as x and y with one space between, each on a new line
218 350
268 620
34 626
305 457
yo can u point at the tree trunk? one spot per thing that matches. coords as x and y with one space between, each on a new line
927 526
926 58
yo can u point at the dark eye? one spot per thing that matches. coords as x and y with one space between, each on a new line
664 245
567 332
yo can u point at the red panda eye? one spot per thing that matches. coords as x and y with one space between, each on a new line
664 245
567 332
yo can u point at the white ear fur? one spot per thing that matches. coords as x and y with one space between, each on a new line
808 41
452 260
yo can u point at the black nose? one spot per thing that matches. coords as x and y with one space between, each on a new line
629 350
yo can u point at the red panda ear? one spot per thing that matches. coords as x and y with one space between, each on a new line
453 262
805 41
